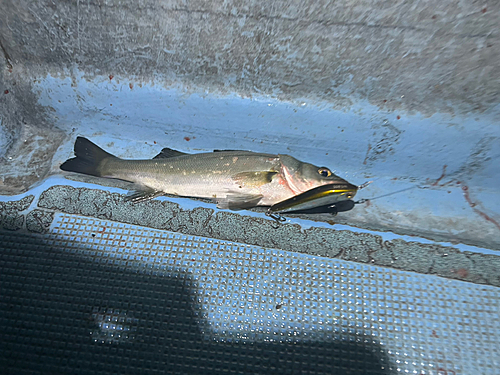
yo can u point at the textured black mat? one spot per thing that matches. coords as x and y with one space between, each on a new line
55 305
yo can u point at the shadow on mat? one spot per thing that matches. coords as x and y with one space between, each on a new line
63 313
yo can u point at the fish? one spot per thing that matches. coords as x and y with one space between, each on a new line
233 179
320 196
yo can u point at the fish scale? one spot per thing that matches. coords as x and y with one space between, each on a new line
201 175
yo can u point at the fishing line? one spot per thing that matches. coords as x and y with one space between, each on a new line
364 200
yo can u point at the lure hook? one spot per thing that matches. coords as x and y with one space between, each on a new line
362 186
278 218
335 211
361 201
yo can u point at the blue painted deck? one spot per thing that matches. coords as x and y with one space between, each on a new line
434 177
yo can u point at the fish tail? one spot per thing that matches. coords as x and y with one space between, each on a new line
89 158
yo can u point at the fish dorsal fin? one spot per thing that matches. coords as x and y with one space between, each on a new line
254 179
169 153
230 151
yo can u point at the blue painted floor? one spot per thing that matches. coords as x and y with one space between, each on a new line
434 177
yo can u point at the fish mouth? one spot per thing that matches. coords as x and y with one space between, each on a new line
293 185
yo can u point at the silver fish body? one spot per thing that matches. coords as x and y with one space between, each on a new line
234 179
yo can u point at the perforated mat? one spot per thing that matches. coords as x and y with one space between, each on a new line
100 297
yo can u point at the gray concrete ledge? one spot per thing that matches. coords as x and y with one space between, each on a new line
358 247
11 217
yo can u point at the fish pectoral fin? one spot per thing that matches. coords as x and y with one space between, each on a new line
239 201
142 194
254 179
169 153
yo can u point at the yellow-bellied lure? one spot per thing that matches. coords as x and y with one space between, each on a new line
318 197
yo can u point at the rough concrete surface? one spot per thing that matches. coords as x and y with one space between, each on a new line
38 221
11 215
347 245
28 136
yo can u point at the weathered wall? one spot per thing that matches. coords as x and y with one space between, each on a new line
423 56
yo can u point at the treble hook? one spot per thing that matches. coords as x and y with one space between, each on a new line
335 211
277 217
362 186
361 201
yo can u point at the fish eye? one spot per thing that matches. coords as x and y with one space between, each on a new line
324 172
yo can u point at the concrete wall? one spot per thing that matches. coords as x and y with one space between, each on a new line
406 93
423 56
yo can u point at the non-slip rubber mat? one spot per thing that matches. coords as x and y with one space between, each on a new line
101 297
